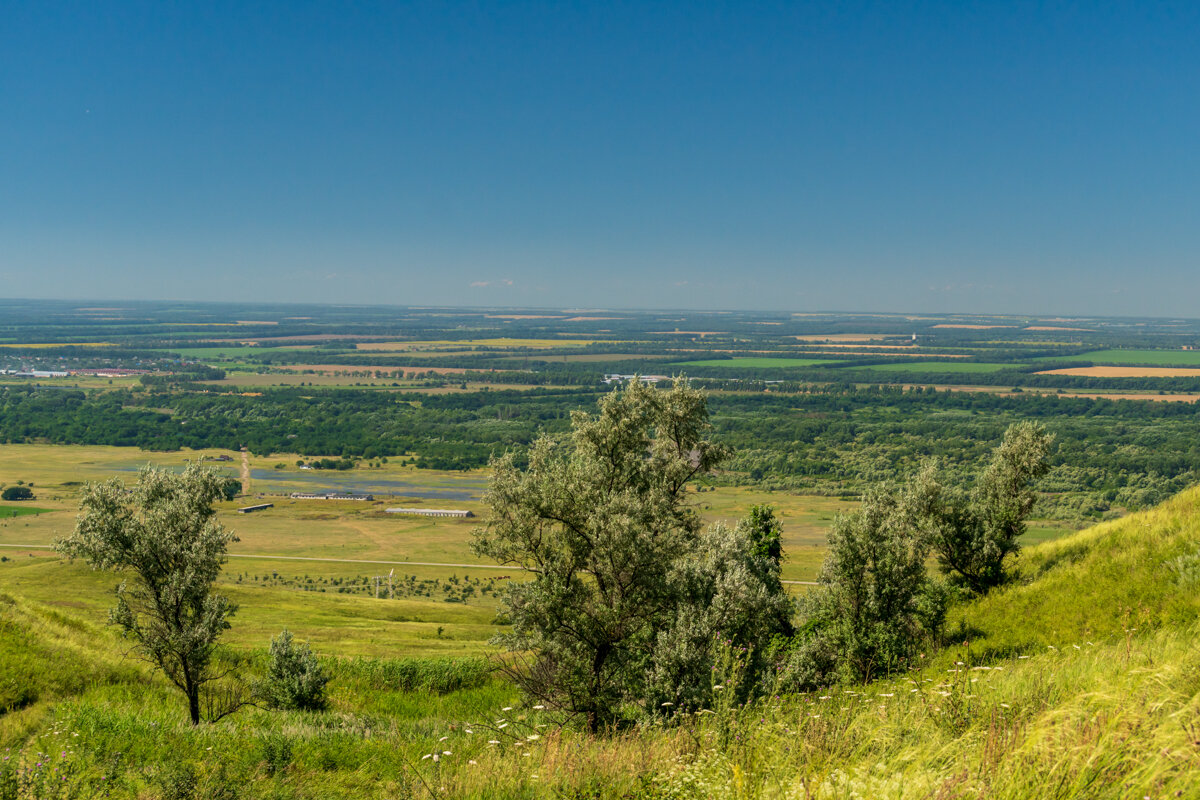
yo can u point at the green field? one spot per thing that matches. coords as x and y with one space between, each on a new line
1140 358
8 512
343 532
759 363
965 367
1077 680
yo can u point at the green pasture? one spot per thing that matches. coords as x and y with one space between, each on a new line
73 382
1140 358
956 367
339 535
759 363
10 511
336 624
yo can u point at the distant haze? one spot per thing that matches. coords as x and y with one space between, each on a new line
994 158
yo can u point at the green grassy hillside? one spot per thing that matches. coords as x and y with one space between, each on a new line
1082 679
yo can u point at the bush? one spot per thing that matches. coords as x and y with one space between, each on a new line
17 493
276 751
869 613
295 679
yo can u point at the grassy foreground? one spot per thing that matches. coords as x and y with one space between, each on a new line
1080 680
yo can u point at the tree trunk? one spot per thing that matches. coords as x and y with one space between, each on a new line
193 696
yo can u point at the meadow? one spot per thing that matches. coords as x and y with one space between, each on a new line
1079 680
354 530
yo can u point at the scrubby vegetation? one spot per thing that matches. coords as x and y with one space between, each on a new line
1078 679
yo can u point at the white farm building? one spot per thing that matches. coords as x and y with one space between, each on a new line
432 512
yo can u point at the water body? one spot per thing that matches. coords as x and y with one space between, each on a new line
269 480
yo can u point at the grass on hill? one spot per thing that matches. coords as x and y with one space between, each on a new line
1081 679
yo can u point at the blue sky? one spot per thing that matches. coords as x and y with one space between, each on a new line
983 157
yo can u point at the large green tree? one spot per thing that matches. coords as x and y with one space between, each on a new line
599 521
973 533
162 533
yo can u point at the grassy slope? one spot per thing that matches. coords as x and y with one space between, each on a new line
1080 680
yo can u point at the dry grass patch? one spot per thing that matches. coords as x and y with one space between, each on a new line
1126 372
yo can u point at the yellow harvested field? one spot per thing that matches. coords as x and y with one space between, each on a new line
589 319
1126 372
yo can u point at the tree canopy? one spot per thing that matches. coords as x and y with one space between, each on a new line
163 534
600 521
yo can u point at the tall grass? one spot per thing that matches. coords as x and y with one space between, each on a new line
1080 680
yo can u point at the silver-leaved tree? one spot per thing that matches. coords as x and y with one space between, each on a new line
162 532
600 522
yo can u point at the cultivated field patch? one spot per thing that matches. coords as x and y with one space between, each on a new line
1126 372
1148 358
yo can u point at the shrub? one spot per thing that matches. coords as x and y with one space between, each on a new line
277 752
869 612
295 679
17 493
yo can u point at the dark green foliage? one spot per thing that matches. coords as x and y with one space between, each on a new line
178 781
230 488
17 493
164 533
972 534
765 532
600 522
1111 454
276 752
729 596
295 679
869 612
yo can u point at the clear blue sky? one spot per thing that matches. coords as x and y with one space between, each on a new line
957 156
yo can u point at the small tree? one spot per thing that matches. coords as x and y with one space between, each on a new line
163 532
230 488
973 534
295 679
599 521
765 532
17 493
865 617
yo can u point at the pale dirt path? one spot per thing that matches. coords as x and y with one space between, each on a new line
358 561
245 471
